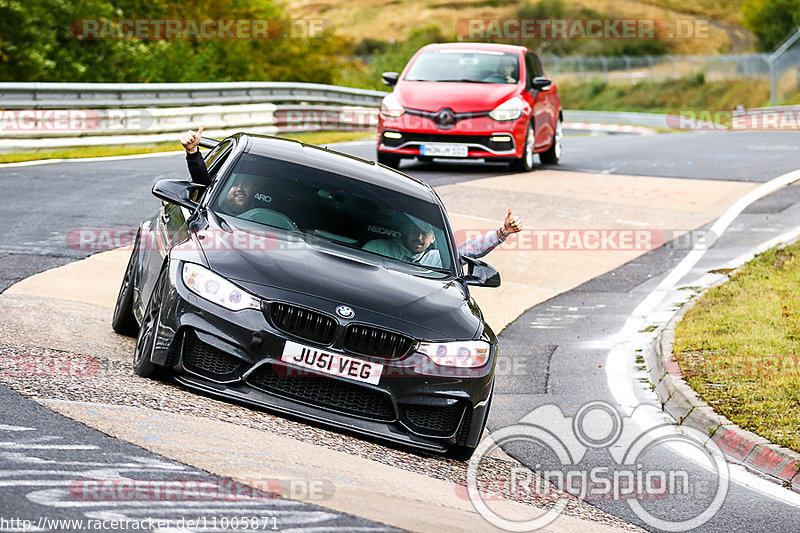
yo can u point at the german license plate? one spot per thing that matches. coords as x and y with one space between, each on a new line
331 363
444 150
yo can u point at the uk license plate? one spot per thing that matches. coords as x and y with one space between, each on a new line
444 150
331 363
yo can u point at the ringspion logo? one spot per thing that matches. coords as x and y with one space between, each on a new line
567 448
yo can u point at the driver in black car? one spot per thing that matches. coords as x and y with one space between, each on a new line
241 195
239 198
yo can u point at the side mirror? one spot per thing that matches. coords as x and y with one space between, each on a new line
540 83
181 192
480 274
390 78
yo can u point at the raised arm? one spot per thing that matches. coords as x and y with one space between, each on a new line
194 159
483 244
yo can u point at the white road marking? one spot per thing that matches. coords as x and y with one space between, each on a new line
620 371
25 446
773 147
4 427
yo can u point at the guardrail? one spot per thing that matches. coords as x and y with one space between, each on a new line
650 120
64 115
131 95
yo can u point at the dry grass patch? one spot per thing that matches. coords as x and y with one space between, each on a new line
392 20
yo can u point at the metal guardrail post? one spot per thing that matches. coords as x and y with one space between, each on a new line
774 56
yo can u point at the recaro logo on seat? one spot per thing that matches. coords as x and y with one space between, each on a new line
383 231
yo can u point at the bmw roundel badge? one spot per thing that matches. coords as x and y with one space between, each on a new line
345 312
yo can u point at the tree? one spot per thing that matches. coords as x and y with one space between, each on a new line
46 40
771 20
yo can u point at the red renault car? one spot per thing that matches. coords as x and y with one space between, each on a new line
471 100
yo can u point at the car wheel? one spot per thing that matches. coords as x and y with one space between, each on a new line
123 321
552 155
525 163
390 160
145 343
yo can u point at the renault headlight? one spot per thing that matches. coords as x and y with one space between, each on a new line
461 354
390 106
216 289
511 109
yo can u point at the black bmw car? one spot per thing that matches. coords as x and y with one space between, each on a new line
260 288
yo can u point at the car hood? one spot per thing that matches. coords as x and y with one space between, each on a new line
293 269
460 97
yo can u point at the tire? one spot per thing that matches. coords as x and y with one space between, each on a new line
525 163
123 321
145 343
390 160
552 155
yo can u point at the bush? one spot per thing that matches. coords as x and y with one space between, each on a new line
36 45
558 9
771 21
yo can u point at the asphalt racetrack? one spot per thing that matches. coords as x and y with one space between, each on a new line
557 350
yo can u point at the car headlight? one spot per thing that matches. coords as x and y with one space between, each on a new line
390 106
511 109
216 289
461 354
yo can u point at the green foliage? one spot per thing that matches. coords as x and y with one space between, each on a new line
771 21
388 57
670 96
36 44
397 57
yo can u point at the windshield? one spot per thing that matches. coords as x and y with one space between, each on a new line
470 66
338 210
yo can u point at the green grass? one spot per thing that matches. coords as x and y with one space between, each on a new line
329 137
88 151
665 96
739 346
314 137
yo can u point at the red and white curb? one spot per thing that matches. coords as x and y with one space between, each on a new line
683 404
609 128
